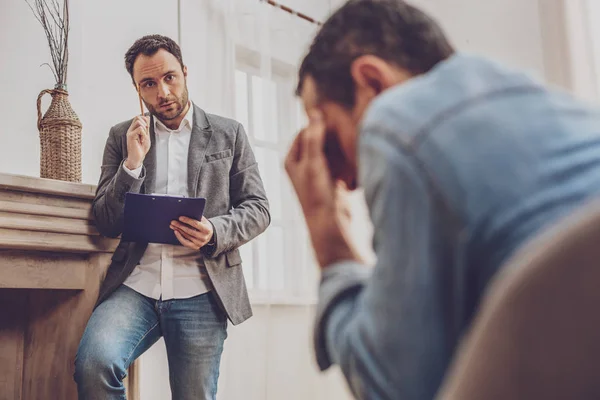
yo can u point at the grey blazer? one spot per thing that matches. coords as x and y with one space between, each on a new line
221 168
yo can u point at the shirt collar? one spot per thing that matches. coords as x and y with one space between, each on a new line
188 121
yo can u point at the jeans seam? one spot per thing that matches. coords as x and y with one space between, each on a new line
128 358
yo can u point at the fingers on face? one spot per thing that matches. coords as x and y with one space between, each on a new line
341 186
141 121
140 125
295 153
308 143
314 139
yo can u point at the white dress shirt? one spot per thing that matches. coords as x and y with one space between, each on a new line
168 271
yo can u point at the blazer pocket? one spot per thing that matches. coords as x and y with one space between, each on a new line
233 258
220 155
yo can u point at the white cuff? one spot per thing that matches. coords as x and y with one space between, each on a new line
135 173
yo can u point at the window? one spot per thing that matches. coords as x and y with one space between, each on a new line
278 265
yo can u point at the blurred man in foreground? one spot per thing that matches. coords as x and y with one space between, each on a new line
461 160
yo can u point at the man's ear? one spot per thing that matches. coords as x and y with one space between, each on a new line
185 71
369 72
375 74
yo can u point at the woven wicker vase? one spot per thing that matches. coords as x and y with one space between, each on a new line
60 138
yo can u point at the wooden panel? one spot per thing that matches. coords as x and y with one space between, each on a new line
40 209
41 270
45 241
132 382
12 327
50 344
56 323
49 200
46 224
46 186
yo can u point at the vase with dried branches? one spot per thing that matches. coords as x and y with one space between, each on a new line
60 128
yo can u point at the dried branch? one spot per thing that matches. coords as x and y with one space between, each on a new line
54 20
53 73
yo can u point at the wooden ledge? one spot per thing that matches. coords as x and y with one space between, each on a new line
47 215
47 186
57 242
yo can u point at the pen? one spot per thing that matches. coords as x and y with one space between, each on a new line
141 103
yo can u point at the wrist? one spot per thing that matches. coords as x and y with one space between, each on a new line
209 248
330 241
131 164
211 241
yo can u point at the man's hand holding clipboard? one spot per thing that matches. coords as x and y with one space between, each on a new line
193 234
159 218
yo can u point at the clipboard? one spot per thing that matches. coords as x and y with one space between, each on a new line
147 217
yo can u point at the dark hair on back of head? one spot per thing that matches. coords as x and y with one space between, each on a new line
390 29
148 46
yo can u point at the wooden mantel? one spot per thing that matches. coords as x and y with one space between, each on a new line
52 260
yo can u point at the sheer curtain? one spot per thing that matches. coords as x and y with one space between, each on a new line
243 57
280 268
269 44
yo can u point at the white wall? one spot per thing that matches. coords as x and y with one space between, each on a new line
22 50
269 357
508 30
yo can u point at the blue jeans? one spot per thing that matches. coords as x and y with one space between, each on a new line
127 324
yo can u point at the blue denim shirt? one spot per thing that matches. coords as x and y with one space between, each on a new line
460 167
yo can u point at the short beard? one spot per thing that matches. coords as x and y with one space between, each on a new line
181 103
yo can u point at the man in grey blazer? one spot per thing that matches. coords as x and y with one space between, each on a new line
182 293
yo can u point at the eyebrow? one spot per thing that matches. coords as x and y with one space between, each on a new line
171 72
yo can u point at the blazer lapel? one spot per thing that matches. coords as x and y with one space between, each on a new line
150 162
199 141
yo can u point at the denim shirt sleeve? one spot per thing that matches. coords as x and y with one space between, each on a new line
384 326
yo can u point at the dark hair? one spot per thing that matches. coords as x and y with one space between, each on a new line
390 29
148 46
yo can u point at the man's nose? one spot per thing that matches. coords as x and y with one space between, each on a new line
163 90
